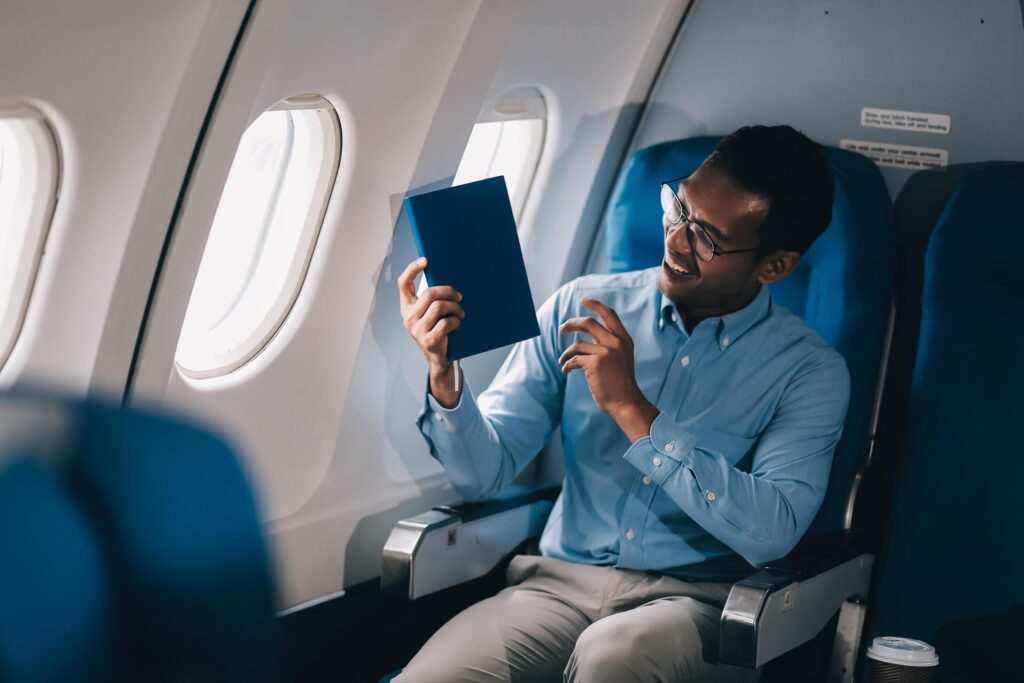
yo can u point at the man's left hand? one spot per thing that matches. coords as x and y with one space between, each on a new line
607 363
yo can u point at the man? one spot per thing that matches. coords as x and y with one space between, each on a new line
698 418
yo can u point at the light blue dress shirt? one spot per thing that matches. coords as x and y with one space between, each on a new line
752 404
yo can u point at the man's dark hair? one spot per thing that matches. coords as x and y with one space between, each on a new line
787 167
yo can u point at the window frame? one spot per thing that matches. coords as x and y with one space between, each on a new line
37 134
281 307
519 104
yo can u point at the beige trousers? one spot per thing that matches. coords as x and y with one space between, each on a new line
564 621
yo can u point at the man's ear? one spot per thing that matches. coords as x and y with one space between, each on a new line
778 265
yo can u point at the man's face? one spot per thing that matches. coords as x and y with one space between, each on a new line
730 216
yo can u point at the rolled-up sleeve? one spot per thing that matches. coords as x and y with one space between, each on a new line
760 514
484 443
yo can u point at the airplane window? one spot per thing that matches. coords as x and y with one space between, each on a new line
262 236
28 192
507 141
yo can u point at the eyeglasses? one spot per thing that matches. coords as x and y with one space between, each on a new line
701 243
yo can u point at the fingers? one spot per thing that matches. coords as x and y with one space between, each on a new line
608 316
439 309
406 281
414 312
588 326
441 330
575 363
581 348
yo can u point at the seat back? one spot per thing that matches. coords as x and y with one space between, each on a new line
146 526
57 621
842 288
185 540
951 565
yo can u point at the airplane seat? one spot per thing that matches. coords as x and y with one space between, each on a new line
917 208
184 534
190 583
951 563
844 291
57 621
843 287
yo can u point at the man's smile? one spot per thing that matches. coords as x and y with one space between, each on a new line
677 269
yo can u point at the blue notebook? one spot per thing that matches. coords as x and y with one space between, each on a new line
468 234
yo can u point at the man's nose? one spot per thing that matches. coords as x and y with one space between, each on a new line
678 238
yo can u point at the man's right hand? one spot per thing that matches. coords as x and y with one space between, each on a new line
429 318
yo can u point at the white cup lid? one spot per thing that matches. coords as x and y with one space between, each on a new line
903 651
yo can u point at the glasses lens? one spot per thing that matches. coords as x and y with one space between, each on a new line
670 204
703 247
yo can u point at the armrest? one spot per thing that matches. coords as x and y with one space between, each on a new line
455 543
791 599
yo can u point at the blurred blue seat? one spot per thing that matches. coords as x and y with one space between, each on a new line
190 585
842 288
953 558
174 506
57 620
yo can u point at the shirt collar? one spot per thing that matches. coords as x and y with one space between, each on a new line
729 327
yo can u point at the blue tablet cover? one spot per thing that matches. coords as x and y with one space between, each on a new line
468 234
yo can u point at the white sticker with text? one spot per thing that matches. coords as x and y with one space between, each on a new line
898 156
916 121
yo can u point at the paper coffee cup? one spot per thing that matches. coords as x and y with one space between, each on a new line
901 660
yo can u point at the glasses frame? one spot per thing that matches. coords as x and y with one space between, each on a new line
694 228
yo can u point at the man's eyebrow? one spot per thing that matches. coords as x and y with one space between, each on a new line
713 229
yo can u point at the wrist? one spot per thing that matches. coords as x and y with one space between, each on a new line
442 384
635 418
439 367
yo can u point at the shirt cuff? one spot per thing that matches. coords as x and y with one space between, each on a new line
436 416
663 452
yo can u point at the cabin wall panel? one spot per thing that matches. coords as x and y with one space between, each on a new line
400 78
125 87
816 65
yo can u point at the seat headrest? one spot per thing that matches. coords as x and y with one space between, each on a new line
982 224
633 224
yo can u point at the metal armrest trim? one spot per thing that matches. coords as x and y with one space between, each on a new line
461 541
772 612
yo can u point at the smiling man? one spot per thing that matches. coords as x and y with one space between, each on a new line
698 422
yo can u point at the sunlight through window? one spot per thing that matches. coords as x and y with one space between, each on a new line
508 141
262 237
28 192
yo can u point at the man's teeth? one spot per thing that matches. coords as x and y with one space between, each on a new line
676 267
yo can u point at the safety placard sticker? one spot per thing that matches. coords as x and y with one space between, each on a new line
915 121
898 156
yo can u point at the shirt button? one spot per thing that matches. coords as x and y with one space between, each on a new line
711 495
725 341
646 480
669 447
684 361
439 417
657 461
630 535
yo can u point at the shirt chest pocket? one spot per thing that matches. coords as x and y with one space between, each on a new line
736 450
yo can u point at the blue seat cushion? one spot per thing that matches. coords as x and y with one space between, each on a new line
184 536
57 621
